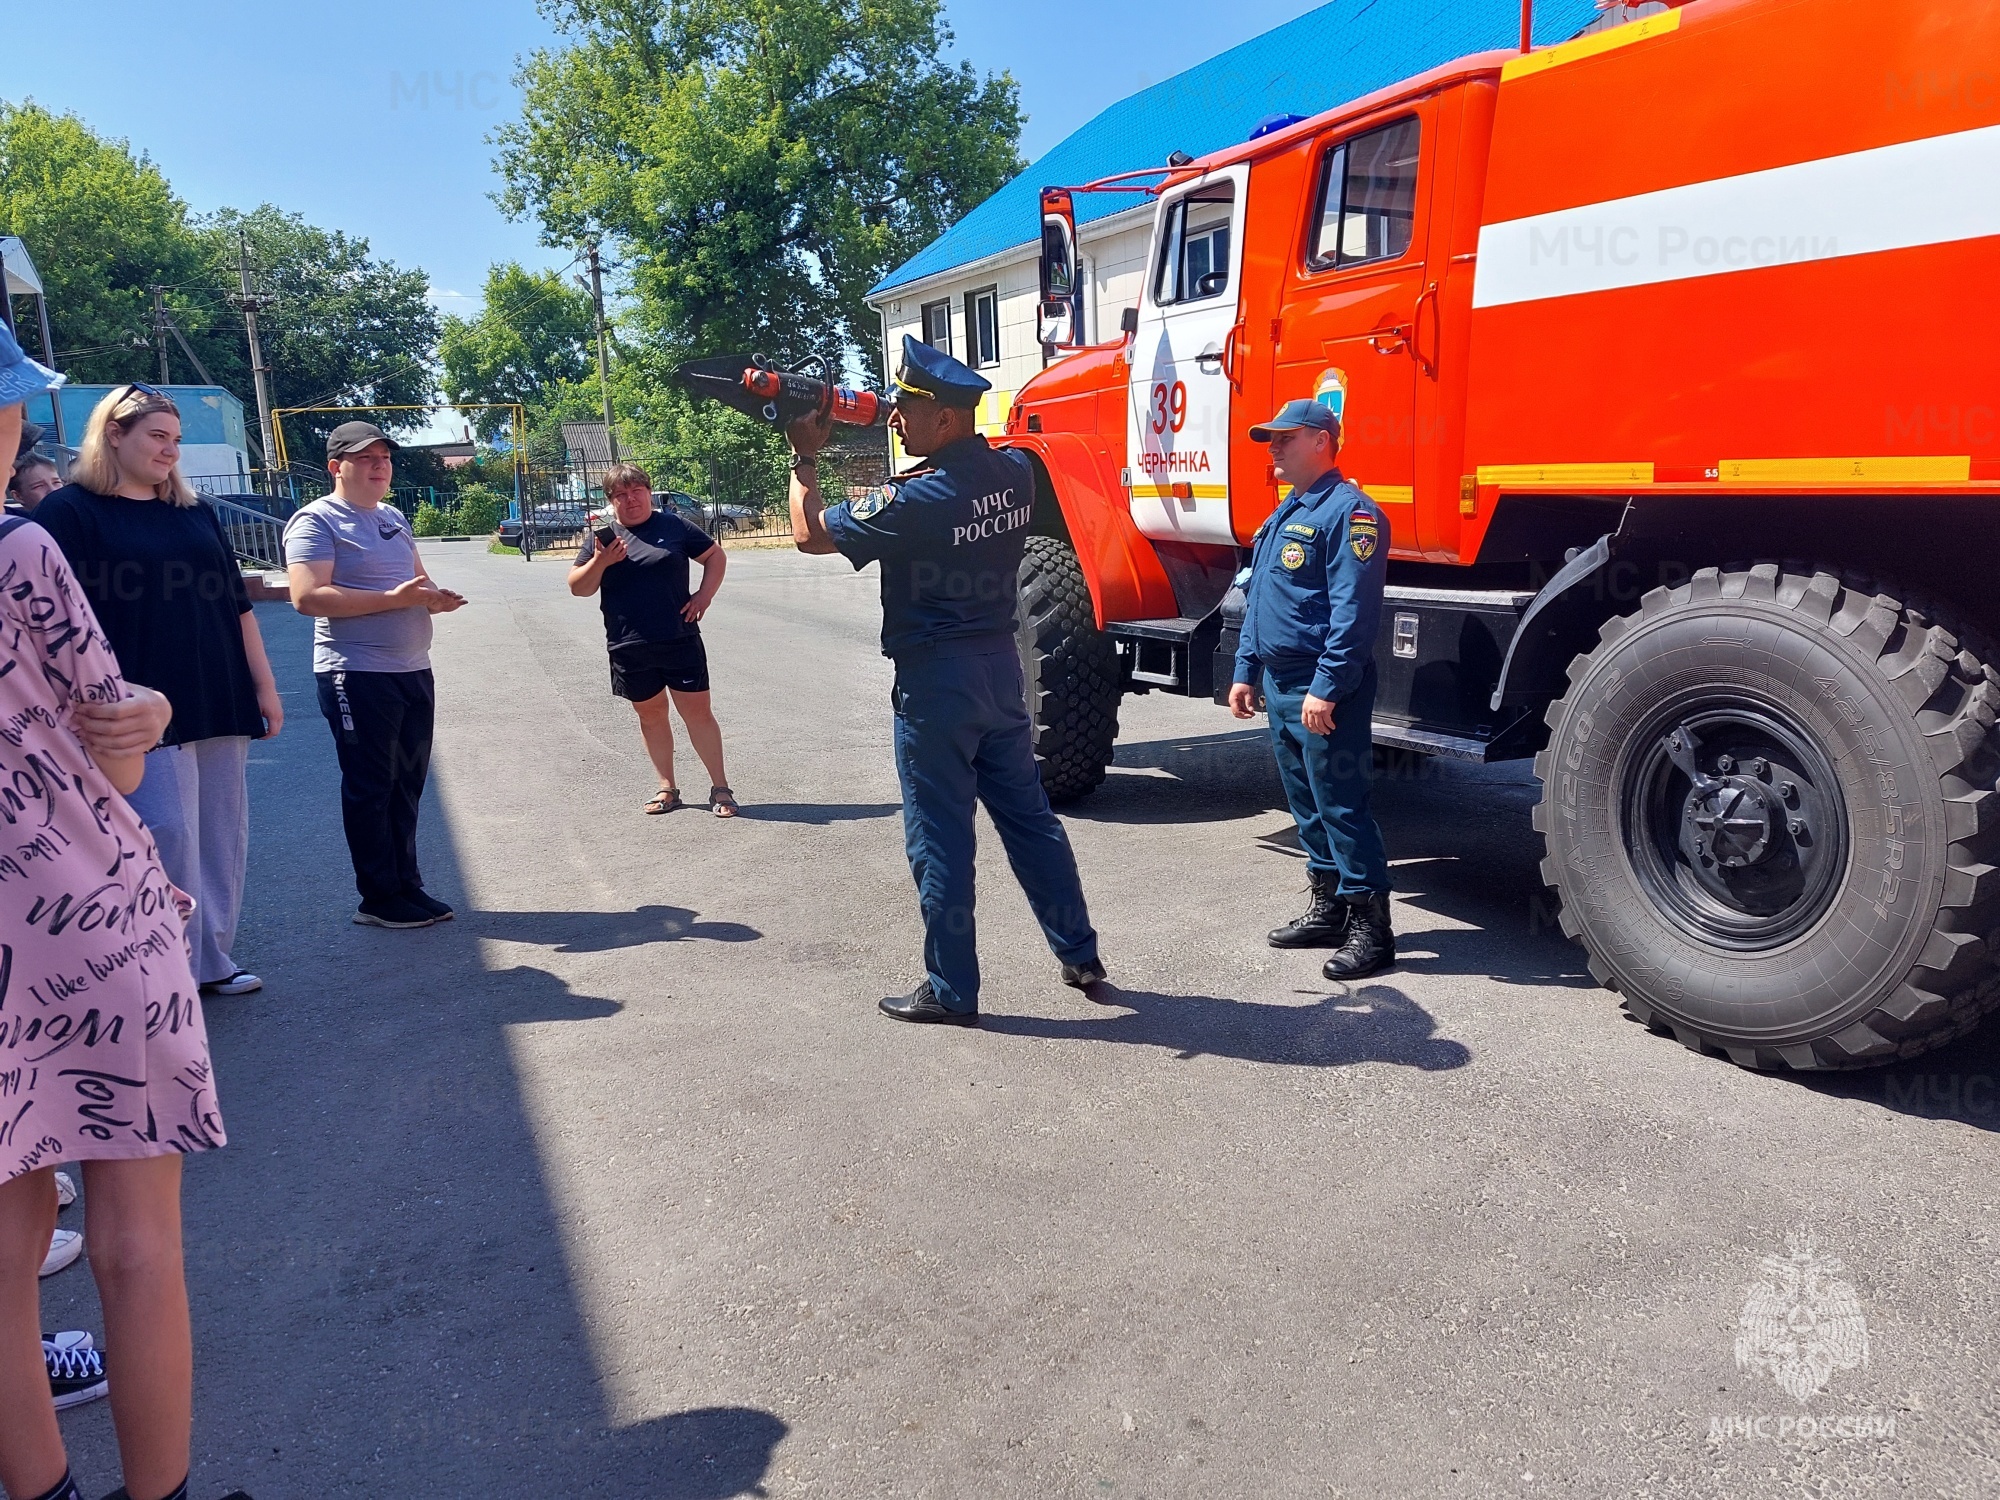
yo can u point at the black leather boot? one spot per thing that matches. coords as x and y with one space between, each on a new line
1324 924
1371 941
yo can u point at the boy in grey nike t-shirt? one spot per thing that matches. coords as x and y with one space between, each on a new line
354 568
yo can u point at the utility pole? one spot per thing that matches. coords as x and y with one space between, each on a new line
160 329
249 302
603 348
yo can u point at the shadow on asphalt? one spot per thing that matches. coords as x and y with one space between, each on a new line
1207 778
603 931
717 1453
378 1262
819 814
1959 1082
1376 1023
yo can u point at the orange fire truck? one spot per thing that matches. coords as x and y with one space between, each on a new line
1672 353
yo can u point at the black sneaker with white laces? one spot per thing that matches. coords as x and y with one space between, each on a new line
76 1373
393 911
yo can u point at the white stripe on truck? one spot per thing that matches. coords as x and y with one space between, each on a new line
1927 192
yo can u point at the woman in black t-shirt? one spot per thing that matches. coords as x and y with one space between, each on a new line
652 625
163 579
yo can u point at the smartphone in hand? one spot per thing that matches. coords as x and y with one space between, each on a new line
605 536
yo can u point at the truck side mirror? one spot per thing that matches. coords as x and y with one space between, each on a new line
1128 322
1059 316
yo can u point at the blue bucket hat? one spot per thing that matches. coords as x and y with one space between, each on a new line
20 376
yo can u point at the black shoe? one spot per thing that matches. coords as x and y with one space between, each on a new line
76 1373
393 911
1083 976
1324 924
921 1005
416 895
1371 943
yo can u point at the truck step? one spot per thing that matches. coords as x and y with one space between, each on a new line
1174 654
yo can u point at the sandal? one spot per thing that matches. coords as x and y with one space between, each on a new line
667 799
722 802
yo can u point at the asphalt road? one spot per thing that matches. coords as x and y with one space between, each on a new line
619 1186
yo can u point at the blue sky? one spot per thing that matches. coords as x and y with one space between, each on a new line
370 115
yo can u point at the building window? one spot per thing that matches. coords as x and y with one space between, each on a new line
937 326
1368 197
982 327
1194 254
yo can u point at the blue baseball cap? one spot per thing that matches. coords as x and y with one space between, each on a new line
20 376
1294 415
936 376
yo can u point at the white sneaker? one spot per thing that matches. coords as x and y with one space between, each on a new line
65 1190
242 982
63 1251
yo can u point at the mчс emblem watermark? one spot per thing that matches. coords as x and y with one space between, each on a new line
1801 1325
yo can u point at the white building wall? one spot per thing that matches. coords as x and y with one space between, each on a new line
1114 261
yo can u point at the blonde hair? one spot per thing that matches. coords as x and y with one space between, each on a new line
96 466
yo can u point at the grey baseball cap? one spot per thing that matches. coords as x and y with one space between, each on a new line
1294 415
352 437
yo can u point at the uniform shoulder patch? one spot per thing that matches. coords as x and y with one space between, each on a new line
871 503
1364 534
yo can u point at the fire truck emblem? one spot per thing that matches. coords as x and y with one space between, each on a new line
1802 1322
1293 556
1330 391
1364 534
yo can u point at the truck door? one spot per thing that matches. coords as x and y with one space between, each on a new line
1184 358
1349 323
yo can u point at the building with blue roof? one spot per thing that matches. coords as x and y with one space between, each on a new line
973 290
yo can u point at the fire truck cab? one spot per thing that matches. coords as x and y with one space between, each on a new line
1672 354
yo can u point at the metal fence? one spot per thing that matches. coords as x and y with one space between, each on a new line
255 536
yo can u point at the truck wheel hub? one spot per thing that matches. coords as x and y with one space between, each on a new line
1731 821
1734 822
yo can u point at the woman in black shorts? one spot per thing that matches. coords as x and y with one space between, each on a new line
653 626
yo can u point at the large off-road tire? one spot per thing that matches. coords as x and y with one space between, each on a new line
1770 809
1070 669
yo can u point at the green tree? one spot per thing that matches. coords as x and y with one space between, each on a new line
103 226
533 338
757 164
346 329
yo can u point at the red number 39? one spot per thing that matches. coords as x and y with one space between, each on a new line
1169 406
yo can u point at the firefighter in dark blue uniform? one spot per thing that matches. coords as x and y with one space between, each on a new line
1313 605
949 538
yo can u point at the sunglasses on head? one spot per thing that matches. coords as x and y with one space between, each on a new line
140 388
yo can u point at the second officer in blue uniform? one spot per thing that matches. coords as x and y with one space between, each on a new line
949 538
1312 608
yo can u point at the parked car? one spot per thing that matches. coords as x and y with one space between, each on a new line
719 521
548 525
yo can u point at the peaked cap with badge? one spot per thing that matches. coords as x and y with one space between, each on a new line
935 375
